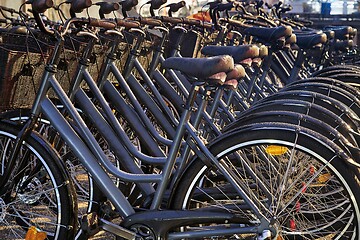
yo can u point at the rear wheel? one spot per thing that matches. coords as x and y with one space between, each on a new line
298 182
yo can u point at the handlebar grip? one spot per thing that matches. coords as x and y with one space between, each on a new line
196 22
175 7
156 4
101 23
41 6
77 6
237 23
173 20
107 7
127 5
146 20
127 24
151 21
343 45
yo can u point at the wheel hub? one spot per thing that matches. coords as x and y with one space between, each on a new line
29 194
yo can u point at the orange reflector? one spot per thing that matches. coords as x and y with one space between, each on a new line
324 178
34 234
276 150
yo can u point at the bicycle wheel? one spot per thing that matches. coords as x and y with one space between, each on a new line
328 71
341 83
38 193
330 107
308 104
342 138
85 189
88 196
298 182
331 91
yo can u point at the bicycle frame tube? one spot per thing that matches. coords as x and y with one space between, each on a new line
110 67
135 102
107 111
150 84
73 140
120 105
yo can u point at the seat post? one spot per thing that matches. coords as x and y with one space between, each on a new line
174 149
297 66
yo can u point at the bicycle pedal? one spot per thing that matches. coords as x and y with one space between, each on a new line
108 212
90 224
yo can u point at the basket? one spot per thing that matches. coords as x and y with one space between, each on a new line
22 64
20 72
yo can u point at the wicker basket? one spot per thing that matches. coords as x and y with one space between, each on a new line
20 72
22 64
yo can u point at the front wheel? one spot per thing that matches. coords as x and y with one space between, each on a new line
38 195
299 183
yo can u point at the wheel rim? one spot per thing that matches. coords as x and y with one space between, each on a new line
37 203
315 202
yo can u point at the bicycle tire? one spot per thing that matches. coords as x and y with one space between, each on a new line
342 138
335 110
332 91
302 215
47 202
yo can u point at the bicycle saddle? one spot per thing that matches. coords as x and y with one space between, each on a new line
202 68
307 41
329 33
343 45
269 34
341 32
239 53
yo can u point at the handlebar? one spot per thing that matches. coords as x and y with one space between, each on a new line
101 23
147 21
172 20
127 24
224 6
196 22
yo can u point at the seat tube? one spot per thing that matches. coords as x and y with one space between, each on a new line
134 53
167 170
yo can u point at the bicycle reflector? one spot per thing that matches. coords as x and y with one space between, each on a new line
34 234
276 150
323 178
